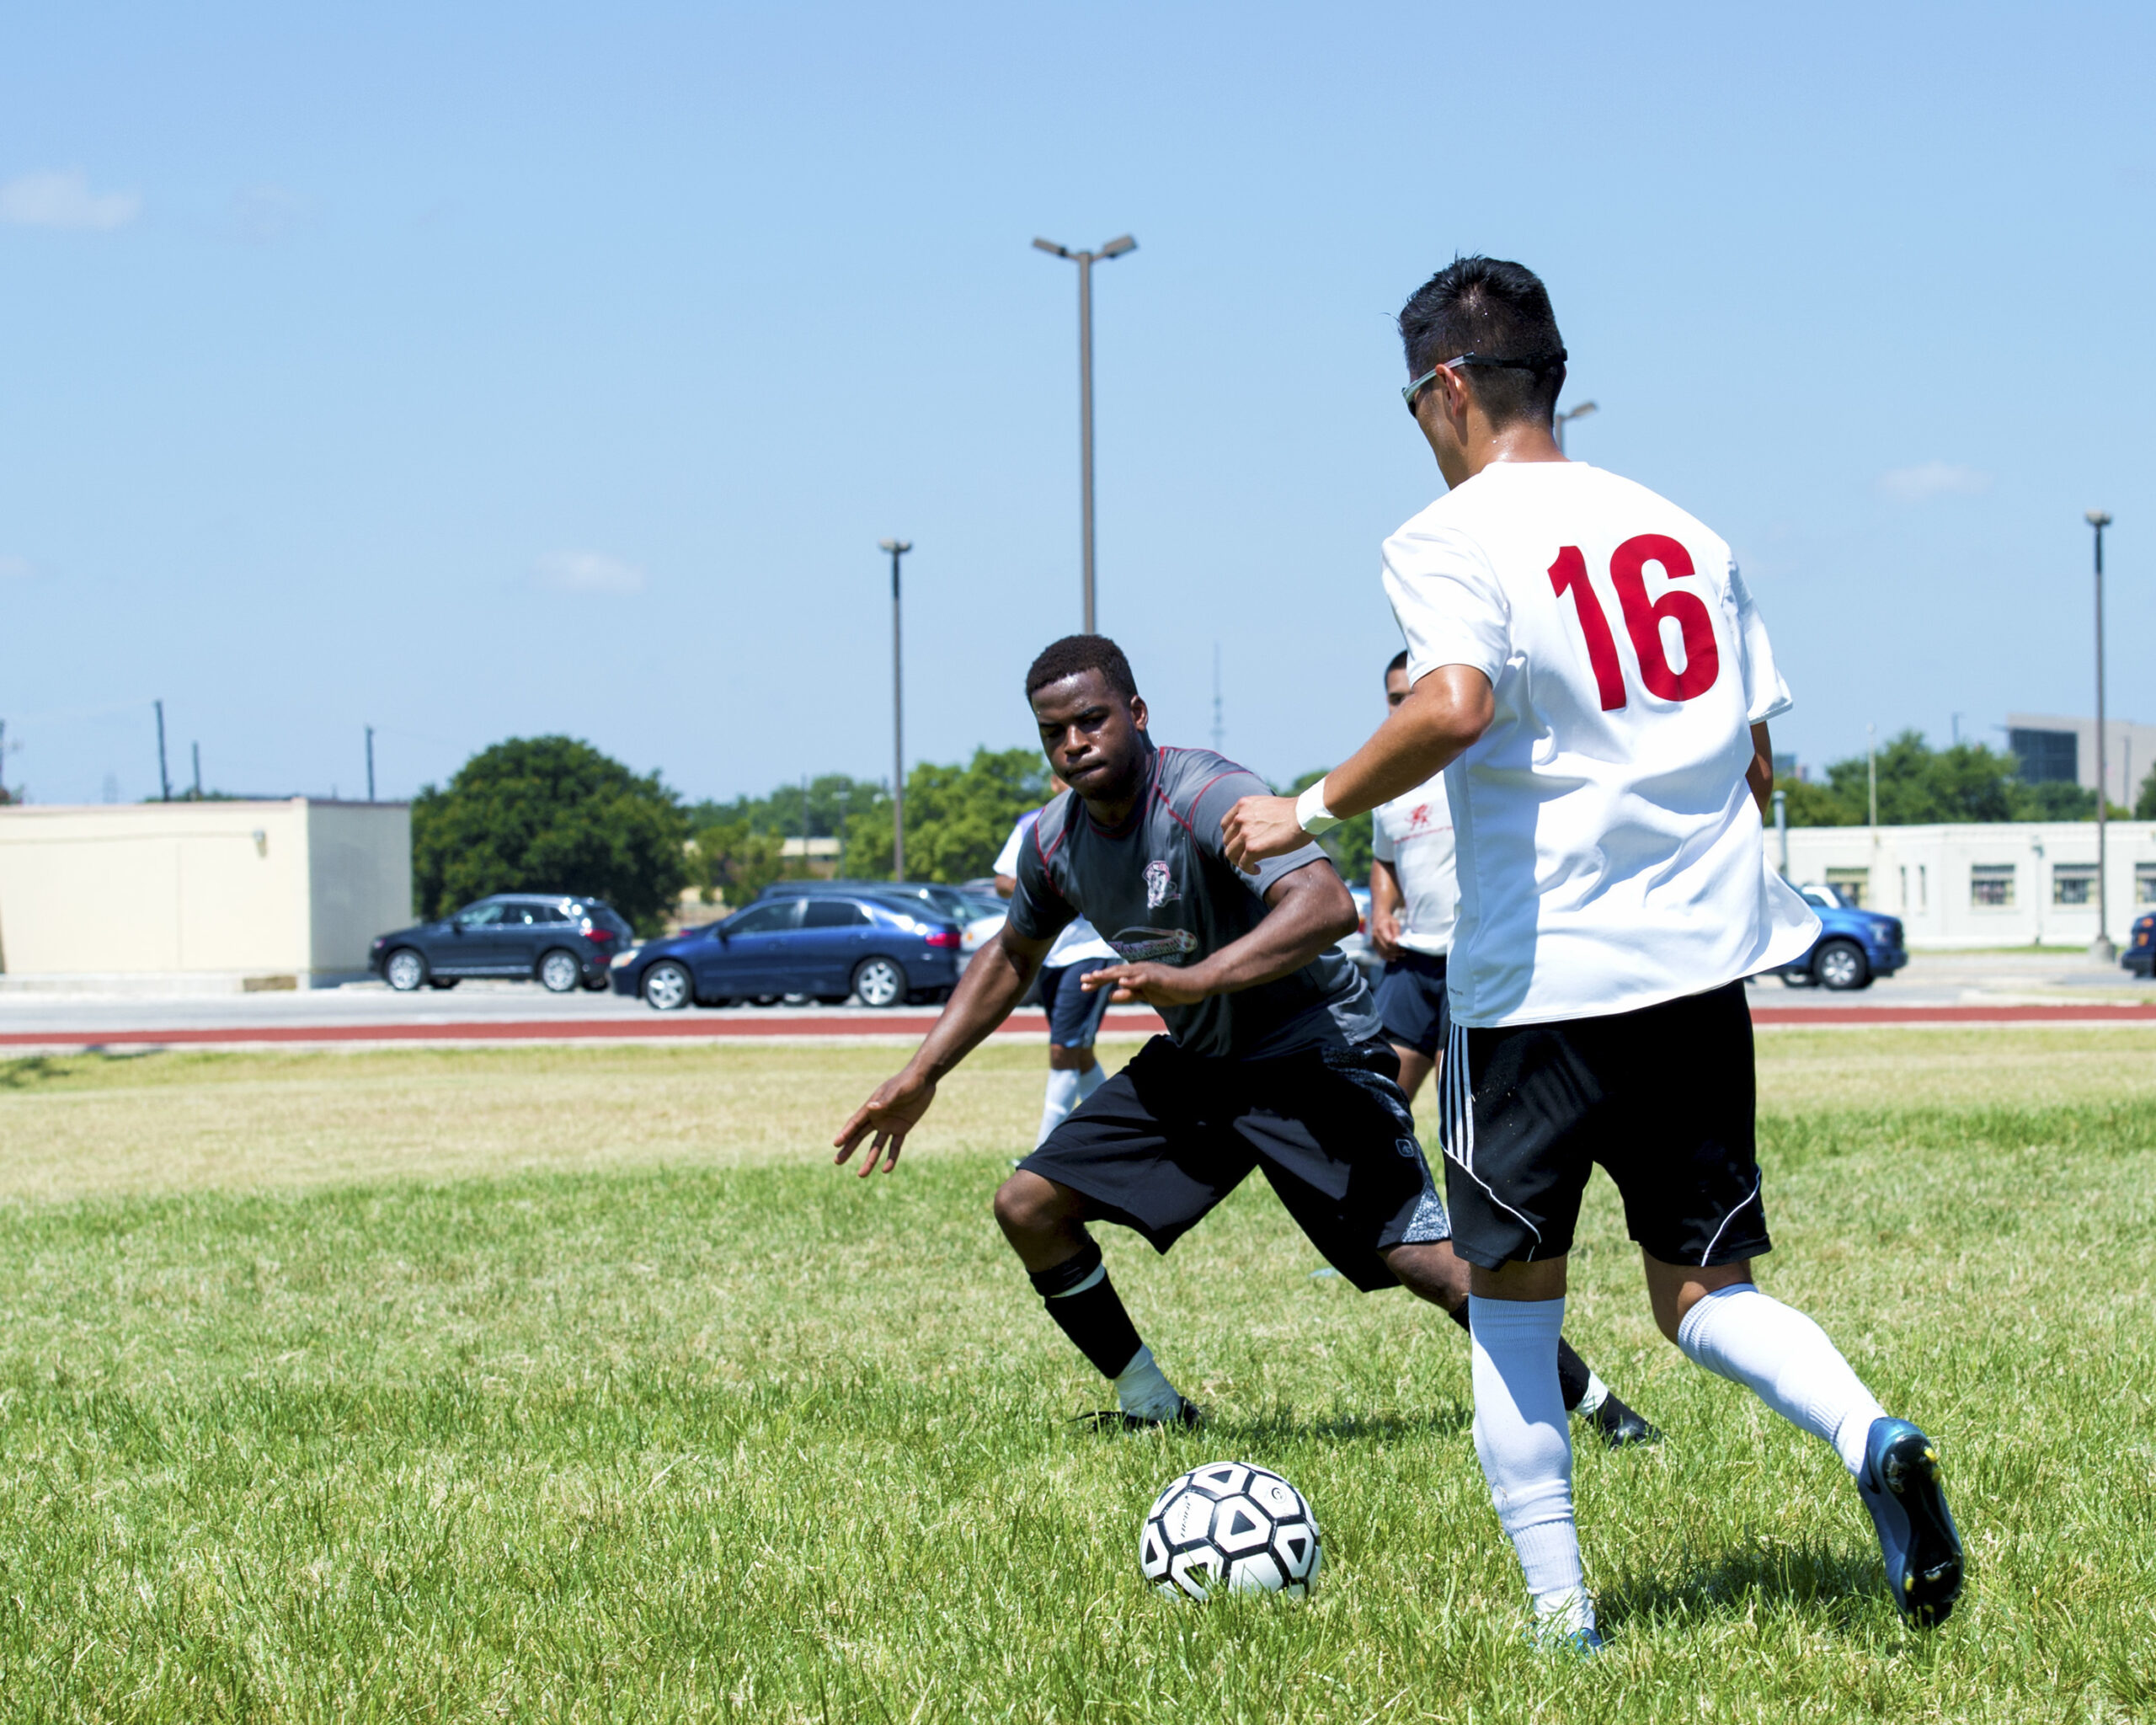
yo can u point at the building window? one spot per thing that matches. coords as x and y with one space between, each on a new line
2046 757
1990 885
2073 884
1854 882
1923 887
2144 883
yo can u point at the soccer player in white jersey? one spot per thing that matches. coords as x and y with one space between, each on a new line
1590 672
1074 1015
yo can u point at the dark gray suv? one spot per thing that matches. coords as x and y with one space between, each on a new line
559 940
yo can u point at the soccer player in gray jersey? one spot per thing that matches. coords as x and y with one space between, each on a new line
1273 1058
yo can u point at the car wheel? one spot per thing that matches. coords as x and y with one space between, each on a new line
1795 978
1840 965
879 982
404 970
559 972
667 987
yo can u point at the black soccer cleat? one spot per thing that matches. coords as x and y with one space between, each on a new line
1115 1420
1917 1535
1620 1426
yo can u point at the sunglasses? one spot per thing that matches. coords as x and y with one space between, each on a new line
1412 393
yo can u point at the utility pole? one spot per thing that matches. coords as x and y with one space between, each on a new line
1871 772
2101 948
1085 261
164 778
898 548
1781 827
1578 413
197 748
369 763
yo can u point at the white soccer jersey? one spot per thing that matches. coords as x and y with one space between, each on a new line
1610 856
1414 834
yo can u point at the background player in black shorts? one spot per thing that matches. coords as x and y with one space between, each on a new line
1272 1058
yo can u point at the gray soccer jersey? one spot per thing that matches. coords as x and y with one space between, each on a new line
1160 887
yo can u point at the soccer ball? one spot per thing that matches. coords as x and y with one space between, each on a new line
1233 1525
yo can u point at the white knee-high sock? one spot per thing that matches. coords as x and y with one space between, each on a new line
1526 1447
1785 1360
1091 1080
1062 1098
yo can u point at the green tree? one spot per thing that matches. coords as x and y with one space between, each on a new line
2144 805
549 815
957 817
731 861
1919 785
1350 845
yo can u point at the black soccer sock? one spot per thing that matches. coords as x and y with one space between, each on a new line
1087 1308
1573 1376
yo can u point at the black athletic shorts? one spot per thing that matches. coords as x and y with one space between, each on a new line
1172 1133
1411 1001
1662 1097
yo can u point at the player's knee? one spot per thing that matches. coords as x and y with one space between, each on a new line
1026 1204
1434 1272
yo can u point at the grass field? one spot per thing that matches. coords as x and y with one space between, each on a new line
576 1383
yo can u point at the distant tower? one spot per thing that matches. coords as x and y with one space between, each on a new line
1219 731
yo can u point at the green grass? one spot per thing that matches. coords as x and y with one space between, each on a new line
744 1437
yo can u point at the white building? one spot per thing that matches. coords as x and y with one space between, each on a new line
2013 883
276 894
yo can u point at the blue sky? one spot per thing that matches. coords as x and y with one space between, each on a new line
487 371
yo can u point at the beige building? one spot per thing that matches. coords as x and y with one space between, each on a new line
277 895
2012 883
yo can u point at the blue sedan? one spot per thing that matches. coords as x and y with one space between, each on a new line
880 952
1855 946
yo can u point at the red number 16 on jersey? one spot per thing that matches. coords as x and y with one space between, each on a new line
1642 621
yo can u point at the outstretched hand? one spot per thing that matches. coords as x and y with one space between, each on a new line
894 1110
1260 827
1156 984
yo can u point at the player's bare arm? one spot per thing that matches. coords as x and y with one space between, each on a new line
1444 716
1305 912
992 984
1760 774
1386 901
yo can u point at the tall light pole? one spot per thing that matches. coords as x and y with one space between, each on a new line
2100 948
898 548
1085 261
1581 412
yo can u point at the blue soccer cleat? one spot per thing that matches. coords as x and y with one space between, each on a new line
1900 1487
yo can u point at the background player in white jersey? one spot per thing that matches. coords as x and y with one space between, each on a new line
1591 673
1074 1013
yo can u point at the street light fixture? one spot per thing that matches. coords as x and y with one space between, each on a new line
1581 412
1085 261
2100 948
897 548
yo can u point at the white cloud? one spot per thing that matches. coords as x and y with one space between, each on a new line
586 571
15 569
60 197
1929 479
264 213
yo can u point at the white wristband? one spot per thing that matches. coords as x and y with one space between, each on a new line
1311 813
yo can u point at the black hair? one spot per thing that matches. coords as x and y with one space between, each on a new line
1075 653
1497 311
1397 662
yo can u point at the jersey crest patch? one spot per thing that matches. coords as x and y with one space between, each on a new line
1159 886
1137 945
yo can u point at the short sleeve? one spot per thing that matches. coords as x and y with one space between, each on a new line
1006 859
1448 601
1215 799
1766 695
1381 845
1038 910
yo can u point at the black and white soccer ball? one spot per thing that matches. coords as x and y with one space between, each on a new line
1229 1524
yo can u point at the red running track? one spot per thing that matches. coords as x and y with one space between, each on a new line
706 1029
